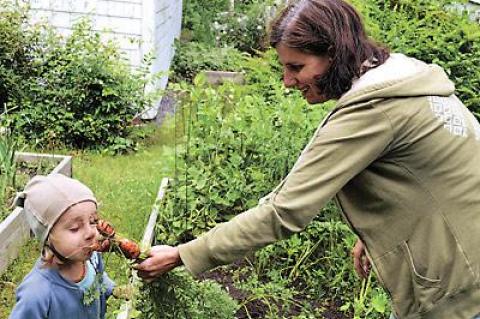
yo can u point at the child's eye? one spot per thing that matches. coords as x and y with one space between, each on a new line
93 219
74 229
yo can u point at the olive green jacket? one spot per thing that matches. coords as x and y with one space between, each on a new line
400 153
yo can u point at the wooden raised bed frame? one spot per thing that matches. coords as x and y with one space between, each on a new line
148 237
14 229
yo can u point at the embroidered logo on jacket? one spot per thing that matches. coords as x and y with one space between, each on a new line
476 126
449 111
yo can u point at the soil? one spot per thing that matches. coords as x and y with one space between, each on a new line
257 308
25 171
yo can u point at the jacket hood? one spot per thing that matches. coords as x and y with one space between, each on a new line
399 76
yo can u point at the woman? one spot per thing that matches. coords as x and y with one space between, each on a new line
399 153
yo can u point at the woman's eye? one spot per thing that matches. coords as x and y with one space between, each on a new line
295 67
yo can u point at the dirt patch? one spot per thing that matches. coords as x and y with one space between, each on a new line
258 309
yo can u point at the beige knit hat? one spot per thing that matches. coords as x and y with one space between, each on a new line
46 198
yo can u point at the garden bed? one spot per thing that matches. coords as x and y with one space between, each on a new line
14 230
220 77
147 241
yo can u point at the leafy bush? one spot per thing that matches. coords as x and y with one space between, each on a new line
429 31
76 92
244 30
197 19
179 296
234 149
193 57
214 25
17 45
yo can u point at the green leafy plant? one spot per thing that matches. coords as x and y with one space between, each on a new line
178 296
244 30
77 92
431 32
8 147
193 57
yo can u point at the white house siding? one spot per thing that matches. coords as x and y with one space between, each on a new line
139 27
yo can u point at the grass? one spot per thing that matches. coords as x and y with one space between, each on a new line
14 275
126 187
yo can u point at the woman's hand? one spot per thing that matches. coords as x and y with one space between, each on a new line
161 259
360 260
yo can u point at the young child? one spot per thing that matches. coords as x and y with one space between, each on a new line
68 280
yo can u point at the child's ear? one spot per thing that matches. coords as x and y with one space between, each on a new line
48 258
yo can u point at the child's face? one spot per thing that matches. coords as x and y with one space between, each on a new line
75 231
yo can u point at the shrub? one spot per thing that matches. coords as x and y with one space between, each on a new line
193 57
244 30
76 92
17 45
197 19
178 296
429 31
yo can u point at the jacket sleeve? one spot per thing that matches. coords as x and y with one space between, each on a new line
351 139
32 302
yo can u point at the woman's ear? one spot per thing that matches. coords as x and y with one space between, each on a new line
331 52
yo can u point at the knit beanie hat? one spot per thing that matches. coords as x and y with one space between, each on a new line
46 198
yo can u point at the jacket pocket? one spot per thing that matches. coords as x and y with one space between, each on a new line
411 291
425 268
421 280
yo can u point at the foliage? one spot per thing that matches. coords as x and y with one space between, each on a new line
197 17
429 31
193 57
8 147
18 44
234 150
215 25
178 296
76 92
243 29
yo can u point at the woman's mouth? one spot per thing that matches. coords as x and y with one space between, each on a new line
304 90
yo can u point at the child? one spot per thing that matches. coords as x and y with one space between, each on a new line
68 280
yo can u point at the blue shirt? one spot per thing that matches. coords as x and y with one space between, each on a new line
44 293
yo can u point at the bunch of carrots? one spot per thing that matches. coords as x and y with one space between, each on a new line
109 239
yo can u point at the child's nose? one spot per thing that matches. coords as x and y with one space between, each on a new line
91 232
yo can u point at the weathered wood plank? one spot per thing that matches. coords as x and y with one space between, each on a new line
14 233
220 77
147 240
14 230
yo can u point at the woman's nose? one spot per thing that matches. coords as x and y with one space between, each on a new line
288 79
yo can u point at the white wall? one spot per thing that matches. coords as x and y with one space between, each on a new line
140 27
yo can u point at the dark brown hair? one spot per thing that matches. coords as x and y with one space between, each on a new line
329 28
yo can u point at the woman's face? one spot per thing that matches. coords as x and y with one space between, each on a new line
75 231
300 70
